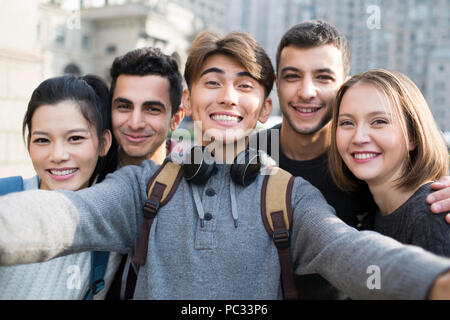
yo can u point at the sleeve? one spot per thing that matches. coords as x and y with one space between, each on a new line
39 225
363 264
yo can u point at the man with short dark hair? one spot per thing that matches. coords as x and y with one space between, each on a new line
146 88
146 96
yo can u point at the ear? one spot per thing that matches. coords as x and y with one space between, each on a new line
266 110
105 143
176 119
186 102
411 145
28 143
276 82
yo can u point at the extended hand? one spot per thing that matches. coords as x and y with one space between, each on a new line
440 200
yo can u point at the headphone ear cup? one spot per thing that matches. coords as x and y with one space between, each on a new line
246 167
199 165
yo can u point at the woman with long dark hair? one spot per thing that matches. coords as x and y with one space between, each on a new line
67 128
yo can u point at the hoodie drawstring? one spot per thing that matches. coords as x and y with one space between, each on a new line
201 212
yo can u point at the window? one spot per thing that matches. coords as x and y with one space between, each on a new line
111 49
60 35
86 42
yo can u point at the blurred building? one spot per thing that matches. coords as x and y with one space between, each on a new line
47 38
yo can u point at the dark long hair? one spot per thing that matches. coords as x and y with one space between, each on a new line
92 96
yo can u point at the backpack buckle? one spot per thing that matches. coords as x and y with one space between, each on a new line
281 239
97 286
150 209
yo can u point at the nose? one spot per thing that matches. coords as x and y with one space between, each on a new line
136 121
228 96
59 153
361 135
307 89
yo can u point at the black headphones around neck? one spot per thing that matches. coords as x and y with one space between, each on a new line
200 163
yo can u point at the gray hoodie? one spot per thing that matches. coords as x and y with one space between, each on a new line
218 260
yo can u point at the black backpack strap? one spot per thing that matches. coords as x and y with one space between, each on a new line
276 212
161 187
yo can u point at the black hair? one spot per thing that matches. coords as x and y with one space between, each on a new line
92 96
316 33
150 61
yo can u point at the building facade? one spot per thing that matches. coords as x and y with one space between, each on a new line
56 39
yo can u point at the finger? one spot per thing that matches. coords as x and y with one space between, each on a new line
438 196
441 183
437 185
442 206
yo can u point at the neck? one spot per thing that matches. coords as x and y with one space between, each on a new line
301 147
388 197
158 157
226 152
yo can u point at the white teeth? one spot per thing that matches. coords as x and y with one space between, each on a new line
223 117
306 110
62 172
362 156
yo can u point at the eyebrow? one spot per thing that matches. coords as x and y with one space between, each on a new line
321 70
145 103
375 113
43 133
213 69
218 70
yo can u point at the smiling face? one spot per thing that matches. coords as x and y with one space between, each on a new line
226 99
369 136
307 82
141 117
63 146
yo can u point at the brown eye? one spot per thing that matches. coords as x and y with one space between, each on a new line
41 140
76 138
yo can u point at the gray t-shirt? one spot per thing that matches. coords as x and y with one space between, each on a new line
414 223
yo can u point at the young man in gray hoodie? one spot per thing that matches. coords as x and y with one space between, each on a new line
209 241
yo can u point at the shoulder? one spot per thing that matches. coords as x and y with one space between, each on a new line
307 198
31 183
131 172
417 207
429 230
11 184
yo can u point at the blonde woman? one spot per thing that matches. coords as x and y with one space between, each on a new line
384 135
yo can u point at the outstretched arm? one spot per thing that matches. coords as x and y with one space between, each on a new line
39 225
363 264
440 200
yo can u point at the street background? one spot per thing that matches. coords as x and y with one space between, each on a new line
46 38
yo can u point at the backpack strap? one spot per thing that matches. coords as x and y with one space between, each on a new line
11 184
276 212
160 189
99 262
